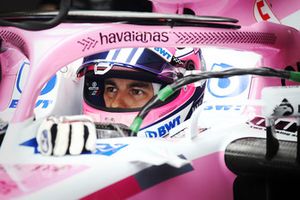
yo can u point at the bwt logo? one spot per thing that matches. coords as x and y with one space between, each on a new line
227 87
223 107
164 129
163 52
42 103
21 79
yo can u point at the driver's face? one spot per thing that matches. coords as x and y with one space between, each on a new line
125 93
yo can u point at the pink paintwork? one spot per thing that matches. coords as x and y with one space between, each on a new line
247 12
50 50
21 179
10 62
276 43
208 171
209 179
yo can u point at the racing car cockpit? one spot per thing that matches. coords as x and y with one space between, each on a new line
176 103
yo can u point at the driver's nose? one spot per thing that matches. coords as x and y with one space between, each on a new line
119 101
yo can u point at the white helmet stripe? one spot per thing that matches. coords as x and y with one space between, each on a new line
132 53
123 55
136 56
116 54
111 54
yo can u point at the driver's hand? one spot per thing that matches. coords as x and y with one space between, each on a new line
66 135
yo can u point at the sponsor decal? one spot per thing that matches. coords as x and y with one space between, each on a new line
45 141
19 180
40 103
223 107
105 149
31 143
94 89
22 75
281 101
163 130
225 37
282 126
88 43
263 12
163 53
108 149
133 36
227 87
283 109
21 79
126 36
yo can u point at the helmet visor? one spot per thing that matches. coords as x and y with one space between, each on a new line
118 93
131 58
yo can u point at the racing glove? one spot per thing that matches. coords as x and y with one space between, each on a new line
73 135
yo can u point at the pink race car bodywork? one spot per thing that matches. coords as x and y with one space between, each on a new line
276 43
133 168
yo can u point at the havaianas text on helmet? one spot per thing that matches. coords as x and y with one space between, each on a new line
133 36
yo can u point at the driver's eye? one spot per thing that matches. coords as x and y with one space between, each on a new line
137 92
110 89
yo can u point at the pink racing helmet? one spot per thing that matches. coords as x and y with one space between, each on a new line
160 66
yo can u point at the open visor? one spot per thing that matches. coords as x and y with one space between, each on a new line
94 89
135 59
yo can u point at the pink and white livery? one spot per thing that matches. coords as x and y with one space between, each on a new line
160 63
226 138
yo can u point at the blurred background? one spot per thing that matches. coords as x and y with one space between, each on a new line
49 5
